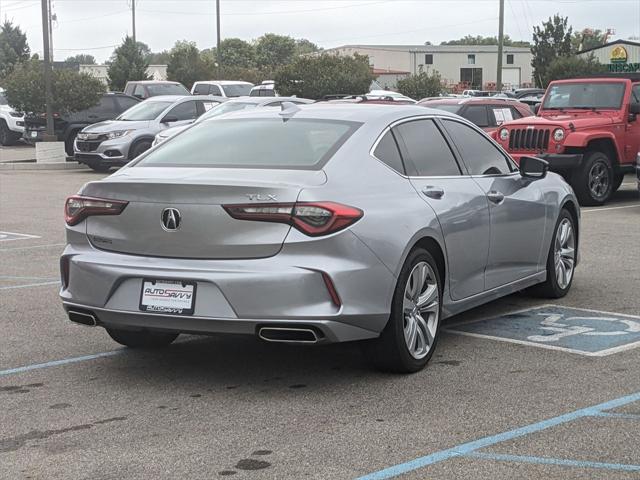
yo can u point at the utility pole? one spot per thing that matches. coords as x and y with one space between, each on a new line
50 32
133 20
47 69
218 57
500 47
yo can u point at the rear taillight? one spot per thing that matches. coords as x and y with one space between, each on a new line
77 208
311 218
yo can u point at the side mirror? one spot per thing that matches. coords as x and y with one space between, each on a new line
533 167
139 95
634 110
536 108
169 119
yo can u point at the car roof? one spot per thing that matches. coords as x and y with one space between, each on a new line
261 100
154 82
223 82
173 98
347 112
464 101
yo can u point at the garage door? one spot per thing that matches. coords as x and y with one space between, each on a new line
511 77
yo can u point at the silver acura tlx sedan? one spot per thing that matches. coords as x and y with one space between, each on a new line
315 224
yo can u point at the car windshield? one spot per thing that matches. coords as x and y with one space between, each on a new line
237 89
304 144
144 111
3 99
584 95
226 108
167 89
447 107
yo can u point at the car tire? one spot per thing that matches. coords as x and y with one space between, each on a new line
561 260
141 339
68 143
7 137
139 148
411 334
593 182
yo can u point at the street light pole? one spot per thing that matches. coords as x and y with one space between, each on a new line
218 57
47 68
500 47
133 20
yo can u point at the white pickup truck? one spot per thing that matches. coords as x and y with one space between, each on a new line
11 122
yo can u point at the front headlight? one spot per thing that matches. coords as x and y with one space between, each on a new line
16 114
504 134
118 134
558 134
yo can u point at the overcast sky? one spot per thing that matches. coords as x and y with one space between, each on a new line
96 26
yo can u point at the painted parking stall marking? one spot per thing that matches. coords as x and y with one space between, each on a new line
573 330
10 236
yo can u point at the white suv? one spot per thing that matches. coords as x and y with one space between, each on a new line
222 88
11 122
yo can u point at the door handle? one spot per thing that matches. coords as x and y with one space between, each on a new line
495 196
433 191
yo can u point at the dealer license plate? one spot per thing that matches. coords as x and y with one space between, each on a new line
34 134
168 296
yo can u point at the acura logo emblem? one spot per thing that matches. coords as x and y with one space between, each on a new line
171 219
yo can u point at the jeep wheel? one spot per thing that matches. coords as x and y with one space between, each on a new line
594 181
7 137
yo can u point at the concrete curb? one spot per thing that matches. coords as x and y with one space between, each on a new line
43 166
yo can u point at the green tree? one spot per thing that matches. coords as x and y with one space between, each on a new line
273 50
421 85
304 47
571 67
235 52
480 40
71 91
127 63
185 64
316 76
13 47
586 39
82 59
158 58
551 40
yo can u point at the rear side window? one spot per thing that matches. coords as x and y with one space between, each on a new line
478 153
427 149
477 114
387 152
305 144
138 91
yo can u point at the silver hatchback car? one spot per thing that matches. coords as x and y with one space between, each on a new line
315 224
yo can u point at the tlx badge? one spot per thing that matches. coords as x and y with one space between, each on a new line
257 197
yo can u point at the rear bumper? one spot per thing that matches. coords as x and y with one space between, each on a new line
558 162
238 296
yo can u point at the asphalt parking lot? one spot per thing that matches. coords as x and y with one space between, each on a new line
533 391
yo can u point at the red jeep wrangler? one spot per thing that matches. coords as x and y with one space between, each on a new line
587 129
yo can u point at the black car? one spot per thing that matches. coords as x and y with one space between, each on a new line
66 127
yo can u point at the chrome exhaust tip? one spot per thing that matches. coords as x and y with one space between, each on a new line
83 318
288 335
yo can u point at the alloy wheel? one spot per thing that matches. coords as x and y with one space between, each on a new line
599 180
564 253
421 310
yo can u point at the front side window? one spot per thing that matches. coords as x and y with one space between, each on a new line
201 89
147 110
583 95
427 149
635 94
478 153
138 91
387 152
184 111
305 144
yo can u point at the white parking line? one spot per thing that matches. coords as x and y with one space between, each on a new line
32 246
588 210
30 285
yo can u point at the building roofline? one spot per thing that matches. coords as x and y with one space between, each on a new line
615 42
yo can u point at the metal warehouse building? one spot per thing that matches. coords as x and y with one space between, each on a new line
620 56
468 66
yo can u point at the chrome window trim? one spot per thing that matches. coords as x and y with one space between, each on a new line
405 120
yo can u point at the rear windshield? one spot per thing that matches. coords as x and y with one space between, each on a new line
144 111
584 95
444 106
167 89
253 143
237 90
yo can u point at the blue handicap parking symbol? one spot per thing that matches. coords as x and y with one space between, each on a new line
587 332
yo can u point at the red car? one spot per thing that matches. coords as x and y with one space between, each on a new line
588 129
488 113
